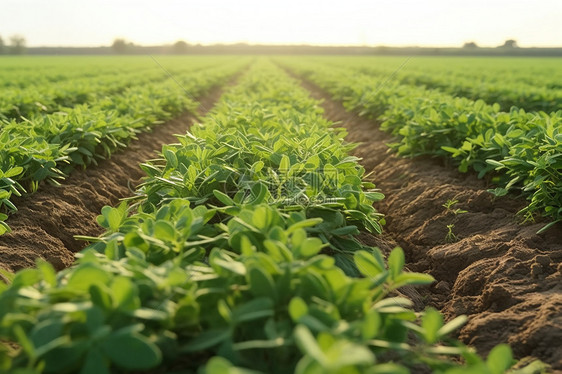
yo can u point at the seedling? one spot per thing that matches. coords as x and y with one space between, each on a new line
449 206
451 237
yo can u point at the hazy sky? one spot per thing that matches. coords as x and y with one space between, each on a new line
358 22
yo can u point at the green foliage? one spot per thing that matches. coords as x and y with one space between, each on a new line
194 276
449 204
223 295
520 150
49 129
273 147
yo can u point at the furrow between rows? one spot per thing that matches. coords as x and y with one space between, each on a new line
488 265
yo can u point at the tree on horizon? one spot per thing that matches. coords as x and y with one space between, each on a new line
180 47
121 46
17 45
510 43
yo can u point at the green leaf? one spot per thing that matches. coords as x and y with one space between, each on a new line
389 369
297 308
4 228
112 217
367 264
164 230
95 322
131 351
258 308
125 294
16 170
149 314
48 272
432 321
170 157
246 246
87 275
5 194
285 164
207 339
452 326
220 365
548 226
498 165
65 357
230 265
298 237
262 217
500 359
452 150
346 230
259 193
45 332
396 262
257 166
344 354
24 341
371 325
95 363
224 310
412 279
309 345
374 196
223 198
313 162
310 247
261 283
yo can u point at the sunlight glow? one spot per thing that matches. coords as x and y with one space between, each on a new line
351 22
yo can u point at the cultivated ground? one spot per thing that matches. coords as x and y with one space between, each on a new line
47 221
507 279
500 273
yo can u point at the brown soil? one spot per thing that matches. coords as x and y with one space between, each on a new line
507 279
500 273
46 221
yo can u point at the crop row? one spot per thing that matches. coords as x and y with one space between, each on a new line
540 72
224 262
22 73
47 147
507 95
507 88
52 97
520 151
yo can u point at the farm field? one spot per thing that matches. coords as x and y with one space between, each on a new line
282 214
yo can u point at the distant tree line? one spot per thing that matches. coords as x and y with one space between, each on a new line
121 46
510 43
15 47
508 48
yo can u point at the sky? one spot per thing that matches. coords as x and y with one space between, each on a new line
439 23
